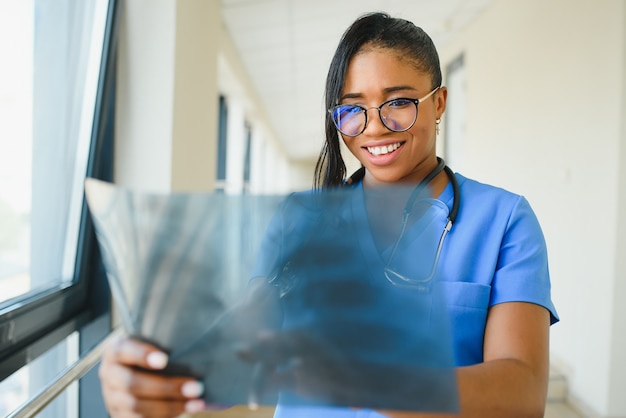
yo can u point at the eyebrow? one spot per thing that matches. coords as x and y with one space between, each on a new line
386 91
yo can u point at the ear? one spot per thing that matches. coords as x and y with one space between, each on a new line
441 96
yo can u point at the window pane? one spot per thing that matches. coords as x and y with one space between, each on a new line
22 385
51 55
16 39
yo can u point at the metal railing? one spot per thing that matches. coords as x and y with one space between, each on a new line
74 372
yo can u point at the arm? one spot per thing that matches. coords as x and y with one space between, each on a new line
513 379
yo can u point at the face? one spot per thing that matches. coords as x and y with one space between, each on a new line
374 76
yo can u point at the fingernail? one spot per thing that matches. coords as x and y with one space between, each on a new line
157 360
195 405
192 389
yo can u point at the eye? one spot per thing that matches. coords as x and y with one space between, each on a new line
346 111
399 103
349 109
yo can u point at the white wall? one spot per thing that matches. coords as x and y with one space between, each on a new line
166 104
617 400
270 165
545 118
145 95
175 60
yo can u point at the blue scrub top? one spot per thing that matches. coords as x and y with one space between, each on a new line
494 253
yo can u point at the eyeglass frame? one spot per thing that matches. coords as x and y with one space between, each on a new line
416 102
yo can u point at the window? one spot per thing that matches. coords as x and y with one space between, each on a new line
16 42
247 160
56 93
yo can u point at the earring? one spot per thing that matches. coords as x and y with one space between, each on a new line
438 121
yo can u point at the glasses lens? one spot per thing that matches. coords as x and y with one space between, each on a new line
399 115
349 119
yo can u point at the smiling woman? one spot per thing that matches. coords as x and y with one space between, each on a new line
488 269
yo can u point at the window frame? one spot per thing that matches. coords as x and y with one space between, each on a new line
455 114
33 323
222 140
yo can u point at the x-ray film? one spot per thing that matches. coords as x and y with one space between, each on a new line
318 298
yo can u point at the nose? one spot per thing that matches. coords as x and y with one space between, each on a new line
374 125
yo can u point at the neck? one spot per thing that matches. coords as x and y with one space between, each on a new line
429 175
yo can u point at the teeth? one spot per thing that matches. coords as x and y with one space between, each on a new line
384 149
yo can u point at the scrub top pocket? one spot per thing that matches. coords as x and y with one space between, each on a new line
467 305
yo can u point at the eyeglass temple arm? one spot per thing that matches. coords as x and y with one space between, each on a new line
429 94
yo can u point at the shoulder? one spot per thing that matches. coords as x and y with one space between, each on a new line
491 213
484 200
520 261
476 190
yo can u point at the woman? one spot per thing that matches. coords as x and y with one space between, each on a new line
385 98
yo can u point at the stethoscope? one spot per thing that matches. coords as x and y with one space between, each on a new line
284 279
392 275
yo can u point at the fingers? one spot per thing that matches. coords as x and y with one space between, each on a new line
129 393
132 386
125 406
260 375
120 378
301 362
269 350
121 371
287 360
136 353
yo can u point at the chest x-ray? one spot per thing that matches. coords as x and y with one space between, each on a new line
280 299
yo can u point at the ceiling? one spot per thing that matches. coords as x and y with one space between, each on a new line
286 47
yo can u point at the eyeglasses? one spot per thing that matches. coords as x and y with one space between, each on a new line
398 115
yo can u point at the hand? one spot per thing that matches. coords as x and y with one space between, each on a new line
301 363
316 370
132 386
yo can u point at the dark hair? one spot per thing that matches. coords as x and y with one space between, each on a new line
377 30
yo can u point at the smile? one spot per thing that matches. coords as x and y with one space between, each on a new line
385 149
